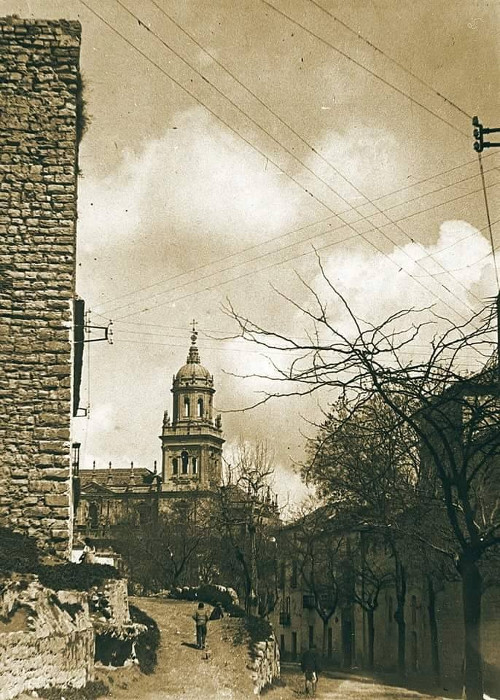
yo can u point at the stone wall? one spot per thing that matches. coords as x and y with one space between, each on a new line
46 638
265 663
114 594
39 91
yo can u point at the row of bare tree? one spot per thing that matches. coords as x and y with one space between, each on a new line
409 450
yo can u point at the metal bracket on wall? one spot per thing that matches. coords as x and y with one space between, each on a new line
108 333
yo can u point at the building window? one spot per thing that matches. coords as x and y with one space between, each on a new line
175 466
294 578
282 643
186 407
185 461
194 463
94 515
285 617
199 408
282 575
413 610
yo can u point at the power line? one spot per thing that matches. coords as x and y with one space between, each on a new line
360 65
201 267
488 218
448 201
235 131
417 349
392 60
464 267
239 82
431 177
279 143
226 70
246 115
265 353
271 240
427 194
253 272
231 267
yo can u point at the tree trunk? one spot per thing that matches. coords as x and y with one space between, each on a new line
399 616
433 629
400 619
371 638
324 641
471 600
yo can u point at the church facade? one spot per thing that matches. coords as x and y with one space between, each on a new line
191 465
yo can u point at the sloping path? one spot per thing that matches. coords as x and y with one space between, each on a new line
184 672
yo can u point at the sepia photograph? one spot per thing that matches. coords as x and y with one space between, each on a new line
249 349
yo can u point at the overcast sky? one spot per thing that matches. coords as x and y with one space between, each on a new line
211 170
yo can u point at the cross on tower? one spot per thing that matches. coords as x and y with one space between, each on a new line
194 331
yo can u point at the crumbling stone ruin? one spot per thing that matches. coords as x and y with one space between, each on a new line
39 124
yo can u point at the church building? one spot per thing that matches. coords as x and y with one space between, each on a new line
191 443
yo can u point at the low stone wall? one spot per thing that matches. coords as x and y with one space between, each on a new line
46 638
109 602
265 663
30 662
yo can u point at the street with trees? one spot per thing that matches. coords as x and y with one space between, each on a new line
449 415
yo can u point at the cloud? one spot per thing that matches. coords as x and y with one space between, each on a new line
376 284
193 182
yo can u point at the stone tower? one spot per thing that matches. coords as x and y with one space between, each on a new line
192 440
40 124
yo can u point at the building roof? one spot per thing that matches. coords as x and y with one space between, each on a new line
116 478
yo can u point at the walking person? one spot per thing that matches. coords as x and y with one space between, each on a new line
201 619
311 668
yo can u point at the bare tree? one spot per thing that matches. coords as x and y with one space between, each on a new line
319 550
247 514
163 551
453 415
365 464
371 573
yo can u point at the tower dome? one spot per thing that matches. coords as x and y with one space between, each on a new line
192 439
193 373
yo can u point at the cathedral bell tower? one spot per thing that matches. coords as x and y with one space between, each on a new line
192 440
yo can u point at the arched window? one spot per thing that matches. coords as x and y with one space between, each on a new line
186 407
175 466
185 461
94 515
199 408
194 463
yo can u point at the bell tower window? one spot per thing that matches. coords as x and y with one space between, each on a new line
186 407
175 466
199 411
194 463
185 461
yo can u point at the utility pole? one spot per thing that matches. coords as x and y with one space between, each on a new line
479 145
479 131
